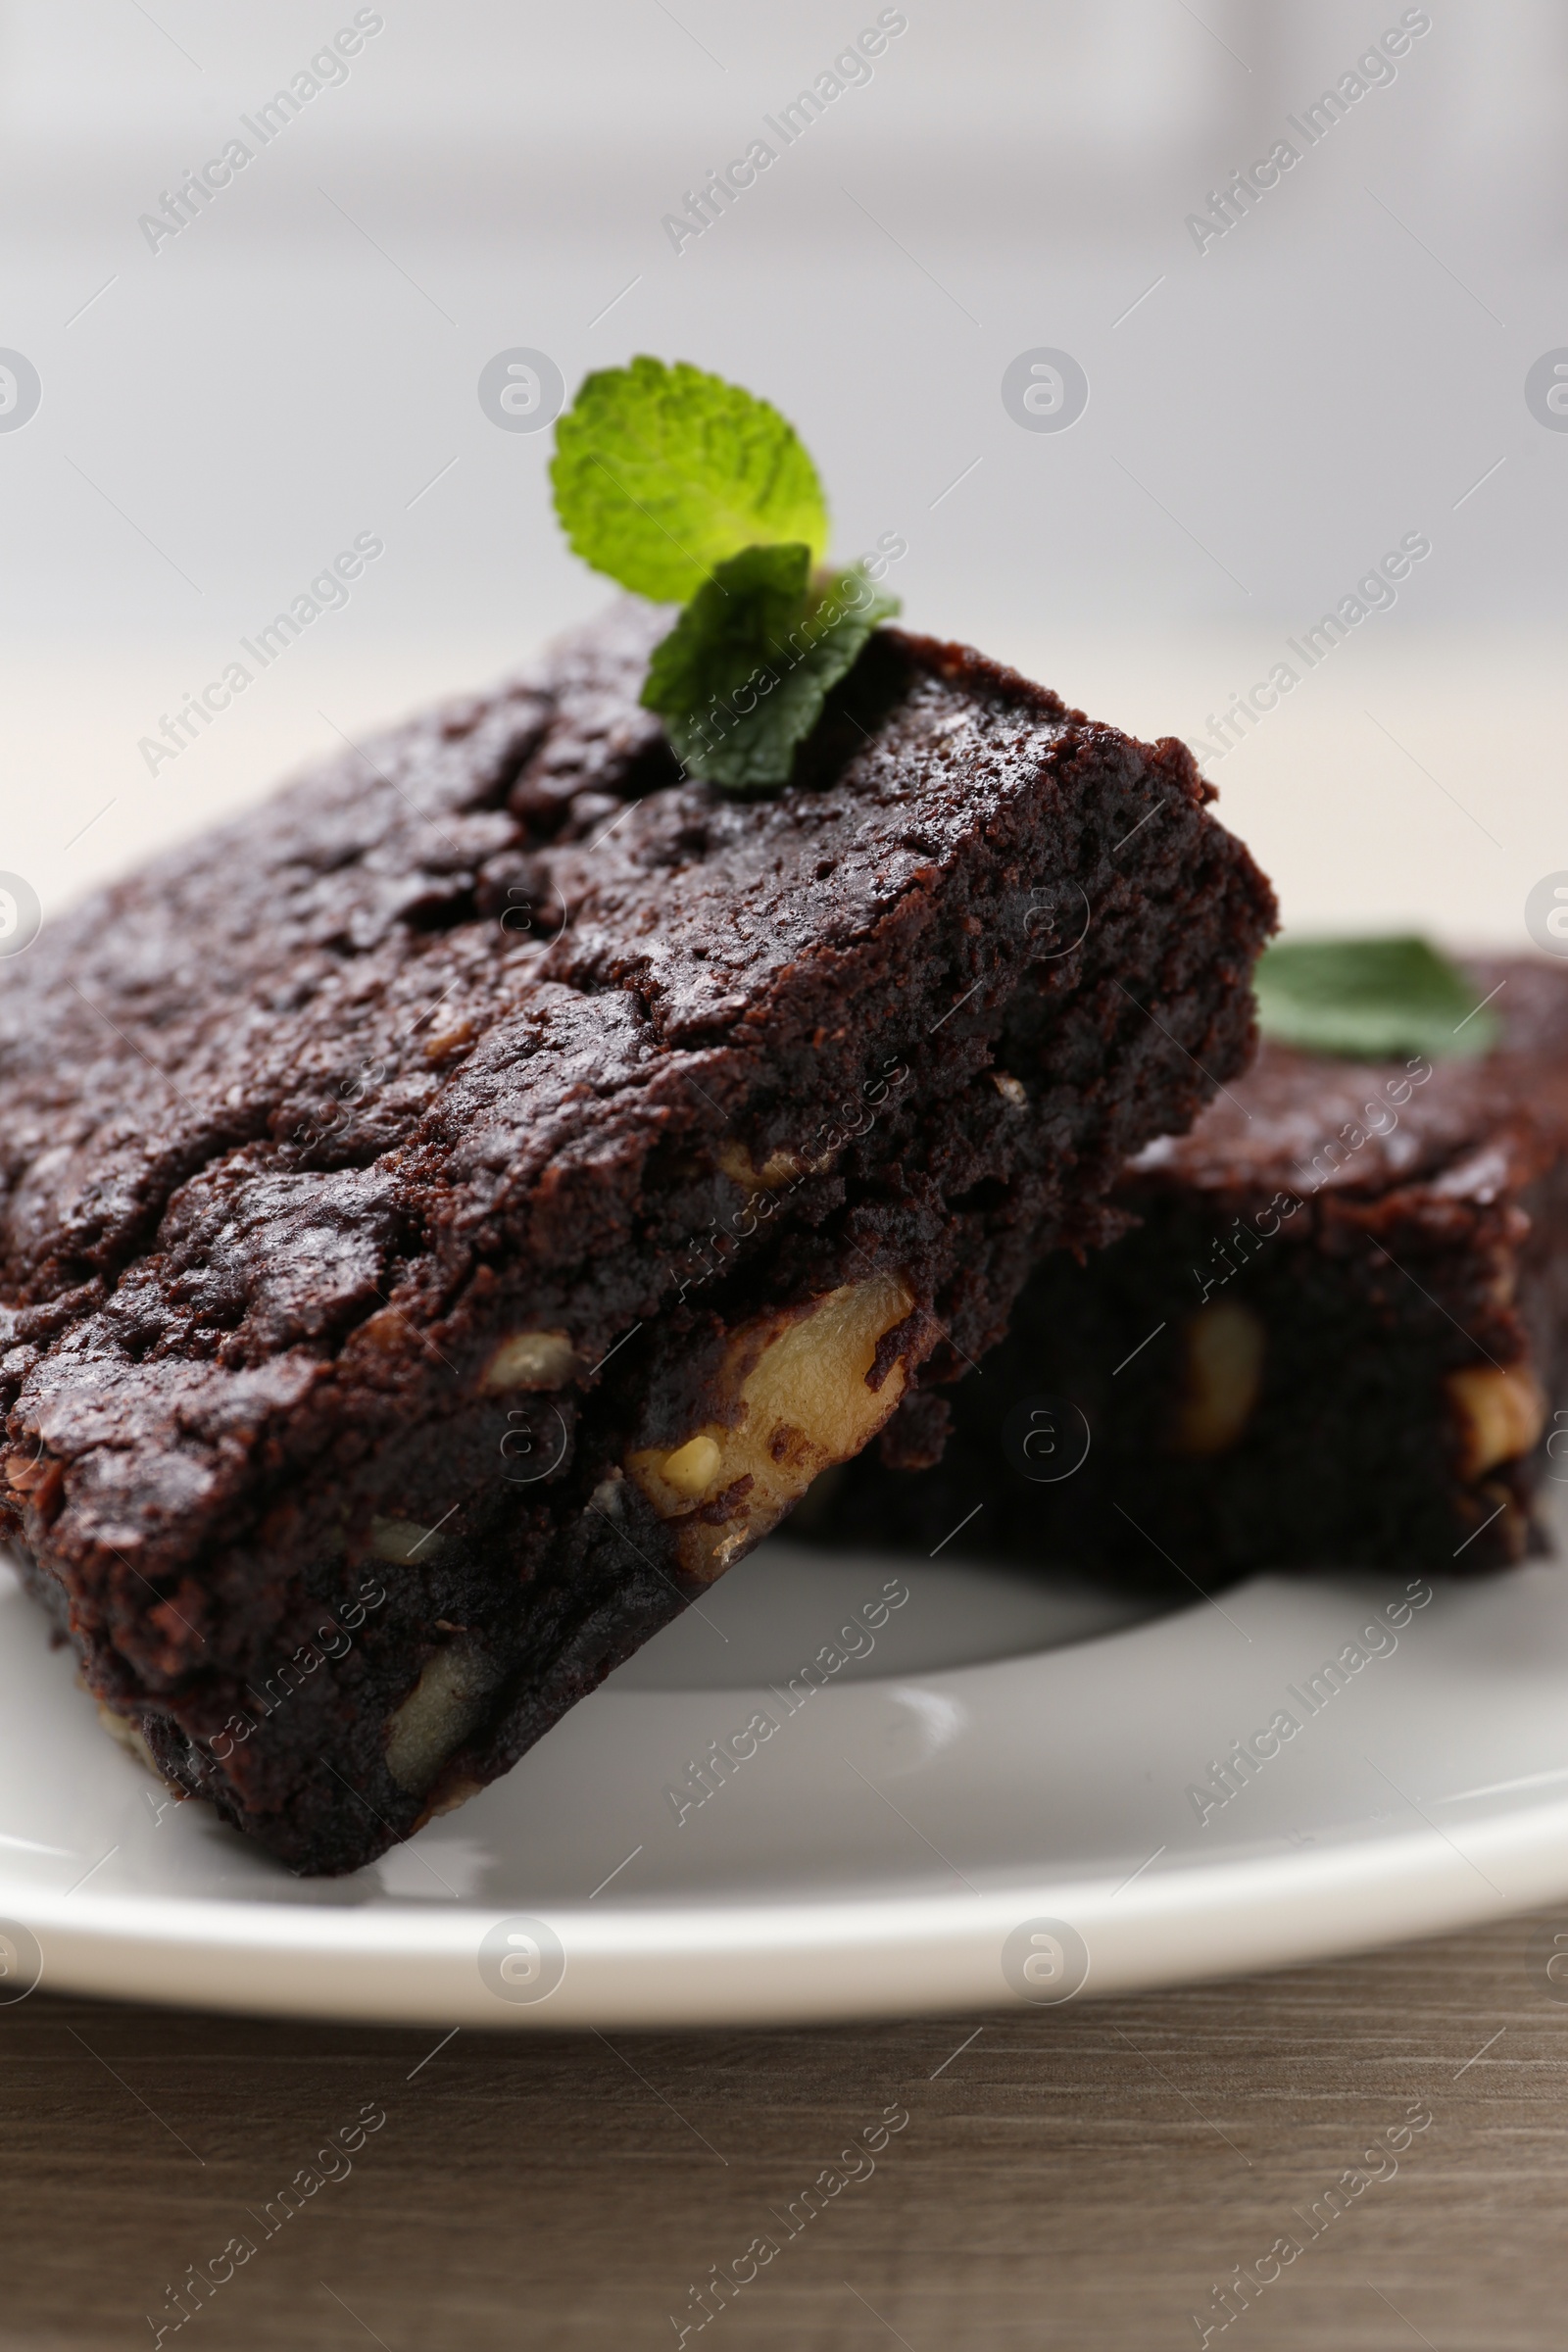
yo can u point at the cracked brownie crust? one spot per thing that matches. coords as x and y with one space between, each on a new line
505 1171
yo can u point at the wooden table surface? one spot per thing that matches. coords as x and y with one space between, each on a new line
1084 2176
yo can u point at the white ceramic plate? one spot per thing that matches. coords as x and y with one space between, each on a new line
991 1803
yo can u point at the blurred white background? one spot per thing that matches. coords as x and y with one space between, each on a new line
1267 416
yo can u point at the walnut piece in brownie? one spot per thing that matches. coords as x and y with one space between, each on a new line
1337 1335
482 1186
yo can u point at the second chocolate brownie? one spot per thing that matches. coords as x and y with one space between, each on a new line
1337 1336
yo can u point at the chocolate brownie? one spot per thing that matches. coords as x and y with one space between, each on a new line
452 1212
1337 1335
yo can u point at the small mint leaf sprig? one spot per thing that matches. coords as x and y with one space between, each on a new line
687 489
1370 1000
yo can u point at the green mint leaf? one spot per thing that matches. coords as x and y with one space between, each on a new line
743 675
735 624
1369 1000
661 474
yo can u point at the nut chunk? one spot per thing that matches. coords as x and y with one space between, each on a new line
1224 1372
801 1388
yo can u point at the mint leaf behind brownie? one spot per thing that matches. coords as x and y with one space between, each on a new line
1369 998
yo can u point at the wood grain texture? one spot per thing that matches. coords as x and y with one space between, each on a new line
1076 2178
